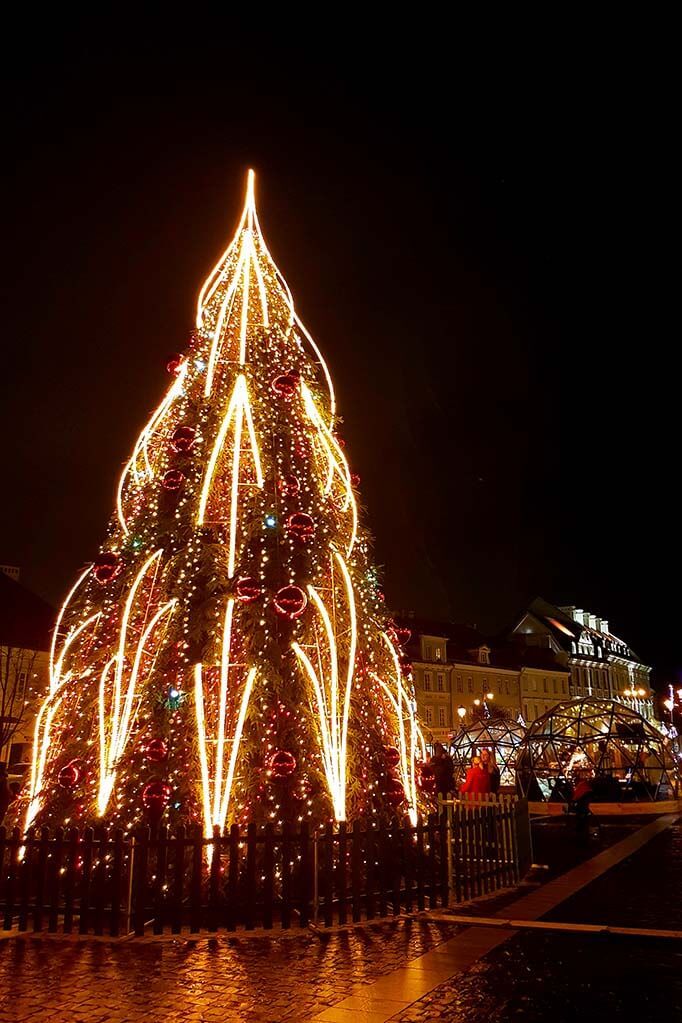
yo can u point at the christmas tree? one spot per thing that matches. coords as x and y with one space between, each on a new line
227 655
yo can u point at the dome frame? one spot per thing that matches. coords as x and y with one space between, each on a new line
624 753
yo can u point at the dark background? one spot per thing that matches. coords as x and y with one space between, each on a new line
477 231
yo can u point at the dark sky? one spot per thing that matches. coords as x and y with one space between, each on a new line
477 232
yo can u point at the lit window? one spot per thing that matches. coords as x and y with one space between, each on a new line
439 654
429 715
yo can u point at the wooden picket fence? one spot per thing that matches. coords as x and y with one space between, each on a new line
100 882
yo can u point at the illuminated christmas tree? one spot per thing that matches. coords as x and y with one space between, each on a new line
226 657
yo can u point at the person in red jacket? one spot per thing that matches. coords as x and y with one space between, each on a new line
477 781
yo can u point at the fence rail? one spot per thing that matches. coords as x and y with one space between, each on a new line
96 881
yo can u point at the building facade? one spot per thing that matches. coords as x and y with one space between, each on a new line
459 675
25 623
599 663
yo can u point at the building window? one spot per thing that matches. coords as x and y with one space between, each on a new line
428 681
428 651
441 717
484 655
460 687
439 654
429 715
545 687
440 682
470 684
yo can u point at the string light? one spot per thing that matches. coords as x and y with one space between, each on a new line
235 570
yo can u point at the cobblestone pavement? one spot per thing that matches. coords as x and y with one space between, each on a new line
562 977
245 980
542 977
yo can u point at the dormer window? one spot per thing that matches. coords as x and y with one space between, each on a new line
484 655
439 654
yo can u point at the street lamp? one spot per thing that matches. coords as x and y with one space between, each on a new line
461 712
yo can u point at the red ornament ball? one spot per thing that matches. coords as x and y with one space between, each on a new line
156 750
425 777
282 763
301 526
172 480
392 756
289 486
355 479
395 792
106 567
403 635
183 438
285 385
290 601
71 774
174 364
340 441
248 589
155 794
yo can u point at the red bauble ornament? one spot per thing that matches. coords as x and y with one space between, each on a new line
285 385
172 480
403 635
425 777
281 763
174 364
301 526
71 774
156 750
248 589
155 795
340 441
106 567
183 438
290 601
395 792
355 479
289 486
392 756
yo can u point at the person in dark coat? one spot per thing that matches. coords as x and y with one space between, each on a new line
489 764
443 770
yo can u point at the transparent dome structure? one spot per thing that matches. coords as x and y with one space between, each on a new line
499 736
625 756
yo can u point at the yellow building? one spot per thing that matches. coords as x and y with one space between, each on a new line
25 623
600 664
459 675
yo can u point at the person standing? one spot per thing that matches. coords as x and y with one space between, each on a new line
489 764
443 770
477 781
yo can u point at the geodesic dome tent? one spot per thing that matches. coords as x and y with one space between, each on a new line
627 757
494 734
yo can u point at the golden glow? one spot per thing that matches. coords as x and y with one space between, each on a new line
48 709
216 808
115 726
333 713
141 449
238 411
404 709
336 462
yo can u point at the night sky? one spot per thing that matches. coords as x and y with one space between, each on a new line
477 237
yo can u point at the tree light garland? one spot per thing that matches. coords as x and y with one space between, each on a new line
231 632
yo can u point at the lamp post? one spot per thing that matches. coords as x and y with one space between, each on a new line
461 713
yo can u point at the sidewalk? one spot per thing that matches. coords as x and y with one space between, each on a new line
392 995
